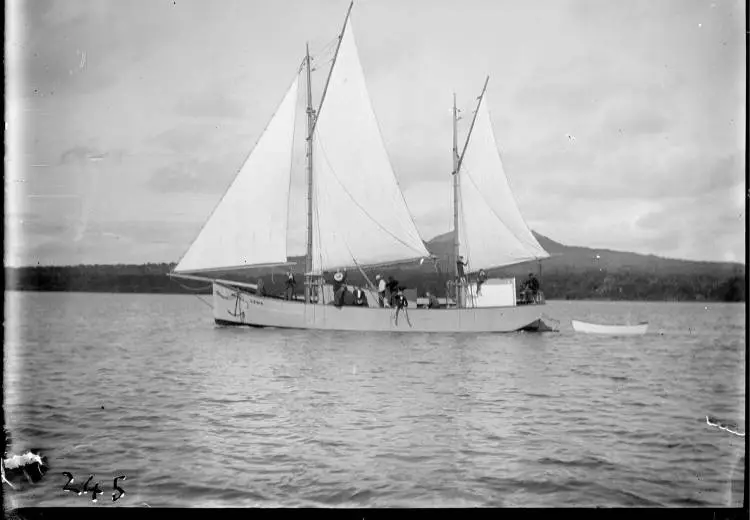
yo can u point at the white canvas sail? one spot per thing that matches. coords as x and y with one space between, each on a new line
492 232
249 225
359 213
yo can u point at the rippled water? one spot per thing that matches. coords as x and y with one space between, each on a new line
200 415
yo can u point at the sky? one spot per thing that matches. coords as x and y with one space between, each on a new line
620 123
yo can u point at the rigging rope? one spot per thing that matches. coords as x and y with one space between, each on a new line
326 48
204 301
462 220
372 285
194 288
316 198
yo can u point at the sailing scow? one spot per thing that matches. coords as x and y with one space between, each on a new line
349 174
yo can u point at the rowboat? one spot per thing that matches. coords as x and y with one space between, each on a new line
612 330
357 219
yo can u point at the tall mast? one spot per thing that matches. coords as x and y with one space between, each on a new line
312 120
455 204
310 124
456 168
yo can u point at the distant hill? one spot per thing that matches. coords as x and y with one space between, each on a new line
577 259
571 273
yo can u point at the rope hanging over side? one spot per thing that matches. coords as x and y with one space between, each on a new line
204 301
203 288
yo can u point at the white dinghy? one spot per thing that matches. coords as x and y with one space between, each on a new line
612 330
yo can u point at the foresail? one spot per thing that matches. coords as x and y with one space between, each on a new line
249 225
492 232
359 213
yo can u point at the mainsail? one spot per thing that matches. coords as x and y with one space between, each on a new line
492 232
249 225
359 213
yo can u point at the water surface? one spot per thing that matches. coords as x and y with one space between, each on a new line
200 415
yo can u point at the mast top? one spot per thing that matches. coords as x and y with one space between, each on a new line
468 136
333 64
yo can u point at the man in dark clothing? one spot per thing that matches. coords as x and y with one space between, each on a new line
433 302
401 303
392 286
530 288
340 295
348 298
533 283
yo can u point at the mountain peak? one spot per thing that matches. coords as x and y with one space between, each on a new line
575 258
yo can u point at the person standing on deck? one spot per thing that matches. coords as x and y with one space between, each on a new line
460 264
530 288
291 285
381 290
433 302
481 278
339 287
401 303
392 286
339 279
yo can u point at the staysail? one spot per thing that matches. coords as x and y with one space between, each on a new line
249 225
492 232
360 216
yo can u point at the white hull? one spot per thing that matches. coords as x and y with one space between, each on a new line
236 307
613 330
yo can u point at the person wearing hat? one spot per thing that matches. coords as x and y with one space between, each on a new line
291 285
339 279
460 264
400 301
339 287
381 290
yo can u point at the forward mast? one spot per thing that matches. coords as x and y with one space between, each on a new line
312 118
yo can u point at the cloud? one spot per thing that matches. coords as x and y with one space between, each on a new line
107 242
213 102
86 153
682 226
183 90
192 176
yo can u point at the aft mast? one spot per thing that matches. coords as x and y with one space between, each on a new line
456 183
